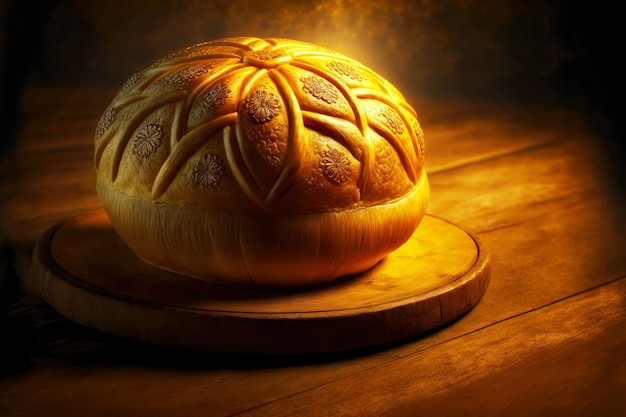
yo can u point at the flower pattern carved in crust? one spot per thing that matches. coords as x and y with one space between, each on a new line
184 76
346 70
393 120
419 133
208 171
148 140
215 97
132 81
105 121
263 105
320 89
336 166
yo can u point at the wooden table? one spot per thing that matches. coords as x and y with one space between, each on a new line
548 337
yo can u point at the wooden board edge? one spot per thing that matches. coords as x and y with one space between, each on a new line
253 333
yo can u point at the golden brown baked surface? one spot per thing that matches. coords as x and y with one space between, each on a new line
258 127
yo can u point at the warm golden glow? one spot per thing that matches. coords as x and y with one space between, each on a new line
346 26
424 47
370 31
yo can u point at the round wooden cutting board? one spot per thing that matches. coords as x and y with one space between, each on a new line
88 274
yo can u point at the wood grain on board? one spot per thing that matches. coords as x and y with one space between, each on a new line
86 272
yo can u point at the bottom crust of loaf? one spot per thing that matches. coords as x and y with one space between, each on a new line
263 250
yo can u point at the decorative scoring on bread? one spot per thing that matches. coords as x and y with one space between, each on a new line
208 170
284 120
336 166
132 81
419 134
215 97
187 74
263 106
393 120
319 89
268 162
105 122
148 140
345 70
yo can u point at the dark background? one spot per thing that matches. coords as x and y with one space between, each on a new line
542 53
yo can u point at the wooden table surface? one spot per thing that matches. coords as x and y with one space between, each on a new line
548 337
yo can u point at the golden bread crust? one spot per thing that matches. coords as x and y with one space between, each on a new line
259 128
264 250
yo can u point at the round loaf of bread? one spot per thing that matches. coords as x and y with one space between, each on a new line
261 162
